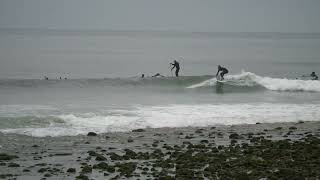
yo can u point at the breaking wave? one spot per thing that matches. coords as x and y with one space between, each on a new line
248 79
162 116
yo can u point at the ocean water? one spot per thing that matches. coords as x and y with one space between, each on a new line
103 91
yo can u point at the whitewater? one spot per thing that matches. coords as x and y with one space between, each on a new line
276 84
76 106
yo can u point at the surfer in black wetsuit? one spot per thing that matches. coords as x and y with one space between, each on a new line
157 75
223 71
176 65
314 76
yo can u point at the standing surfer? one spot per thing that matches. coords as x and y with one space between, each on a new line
223 71
176 65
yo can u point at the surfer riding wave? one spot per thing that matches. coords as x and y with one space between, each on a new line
222 71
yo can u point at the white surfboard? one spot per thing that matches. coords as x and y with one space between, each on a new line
219 79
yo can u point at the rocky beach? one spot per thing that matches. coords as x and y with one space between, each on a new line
257 151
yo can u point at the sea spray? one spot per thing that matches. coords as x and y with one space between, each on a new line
275 84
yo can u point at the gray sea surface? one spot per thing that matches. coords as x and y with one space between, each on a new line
103 90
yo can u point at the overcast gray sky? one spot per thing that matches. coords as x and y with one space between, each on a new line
186 15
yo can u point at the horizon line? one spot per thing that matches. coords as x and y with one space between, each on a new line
146 30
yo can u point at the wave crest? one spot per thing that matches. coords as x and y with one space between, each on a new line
275 84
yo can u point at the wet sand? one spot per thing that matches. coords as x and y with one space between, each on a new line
272 151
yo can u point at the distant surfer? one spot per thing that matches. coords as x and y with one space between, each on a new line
223 72
158 75
314 76
176 65
142 76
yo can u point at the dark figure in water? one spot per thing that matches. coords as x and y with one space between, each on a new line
176 65
223 71
157 75
314 76
142 76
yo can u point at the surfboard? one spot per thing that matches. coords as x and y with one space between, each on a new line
219 79
223 81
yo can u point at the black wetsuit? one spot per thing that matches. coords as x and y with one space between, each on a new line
157 75
314 76
177 66
223 71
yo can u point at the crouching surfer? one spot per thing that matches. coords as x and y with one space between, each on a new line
222 71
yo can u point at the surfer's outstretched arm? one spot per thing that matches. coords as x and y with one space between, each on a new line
217 73
173 66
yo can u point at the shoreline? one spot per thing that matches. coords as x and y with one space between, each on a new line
249 151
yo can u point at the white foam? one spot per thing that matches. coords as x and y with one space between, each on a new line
275 84
209 82
177 116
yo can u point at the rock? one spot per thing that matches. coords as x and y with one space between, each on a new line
115 157
204 141
100 157
41 164
127 169
26 170
234 136
188 137
63 154
131 154
47 175
71 170
2 164
104 166
13 165
92 134
198 131
233 141
157 153
86 169
82 177
42 170
167 147
143 156
6 157
138 130
92 153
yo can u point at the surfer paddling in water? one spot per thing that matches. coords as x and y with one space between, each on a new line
223 72
314 76
176 65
